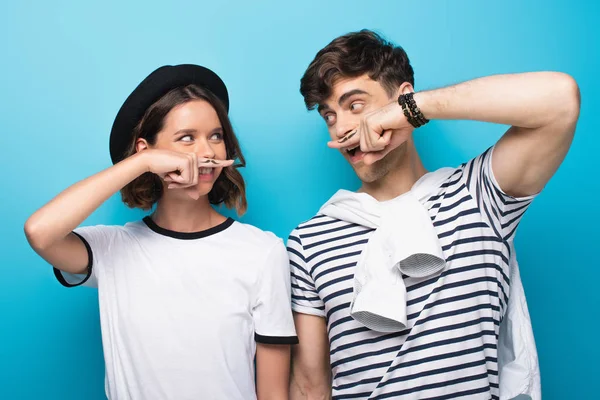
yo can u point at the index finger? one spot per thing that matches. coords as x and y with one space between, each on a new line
204 162
352 139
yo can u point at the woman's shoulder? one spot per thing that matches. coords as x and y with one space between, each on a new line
128 229
255 236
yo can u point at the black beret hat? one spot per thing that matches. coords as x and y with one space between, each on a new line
156 85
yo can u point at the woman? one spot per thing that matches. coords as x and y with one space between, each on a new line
187 296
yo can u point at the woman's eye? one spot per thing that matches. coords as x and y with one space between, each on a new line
186 138
216 136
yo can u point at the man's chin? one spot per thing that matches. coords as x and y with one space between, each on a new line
380 168
373 172
366 173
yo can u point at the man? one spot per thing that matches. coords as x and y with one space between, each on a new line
451 342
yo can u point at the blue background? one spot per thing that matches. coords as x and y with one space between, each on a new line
67 66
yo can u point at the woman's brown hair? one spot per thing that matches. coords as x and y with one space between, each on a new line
229 188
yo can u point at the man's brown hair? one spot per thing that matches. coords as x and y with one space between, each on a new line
353 55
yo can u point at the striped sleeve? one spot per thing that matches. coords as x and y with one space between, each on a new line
305 299
502 211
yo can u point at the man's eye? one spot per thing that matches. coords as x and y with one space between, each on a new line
356 106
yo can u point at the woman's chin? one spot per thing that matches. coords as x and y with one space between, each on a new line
201 189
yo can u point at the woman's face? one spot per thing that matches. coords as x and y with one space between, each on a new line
194 127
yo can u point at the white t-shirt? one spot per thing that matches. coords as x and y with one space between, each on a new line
181 312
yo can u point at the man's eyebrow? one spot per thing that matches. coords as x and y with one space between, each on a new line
349 94
322 107
342 99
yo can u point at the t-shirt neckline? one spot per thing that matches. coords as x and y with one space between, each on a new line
187 235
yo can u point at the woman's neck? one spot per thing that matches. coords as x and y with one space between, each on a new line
186 216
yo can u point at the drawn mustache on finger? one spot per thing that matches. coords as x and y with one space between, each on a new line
348 137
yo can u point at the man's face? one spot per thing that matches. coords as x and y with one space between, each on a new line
350 100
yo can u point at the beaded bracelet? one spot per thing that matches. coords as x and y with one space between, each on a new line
415 117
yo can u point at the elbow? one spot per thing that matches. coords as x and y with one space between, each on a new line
569 99
34 235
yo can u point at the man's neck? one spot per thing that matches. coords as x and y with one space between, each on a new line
399 180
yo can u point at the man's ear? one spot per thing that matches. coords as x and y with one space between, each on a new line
405 88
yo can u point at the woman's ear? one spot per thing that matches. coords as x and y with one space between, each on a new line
141 144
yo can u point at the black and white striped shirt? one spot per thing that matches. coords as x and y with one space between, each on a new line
449 348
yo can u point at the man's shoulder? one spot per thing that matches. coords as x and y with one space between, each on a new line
317 223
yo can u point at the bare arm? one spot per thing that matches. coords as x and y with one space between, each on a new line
49 230
311 371
272 371
541 107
